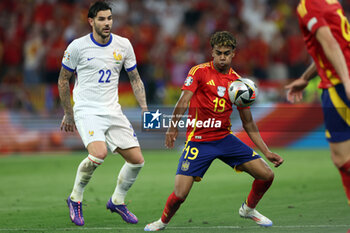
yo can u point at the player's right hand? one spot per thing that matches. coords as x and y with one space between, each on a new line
170 137
295 90
68 123
274 158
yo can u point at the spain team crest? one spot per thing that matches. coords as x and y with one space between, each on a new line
185 165
221 91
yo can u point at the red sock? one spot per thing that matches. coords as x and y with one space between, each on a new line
259 188
172 205
345 176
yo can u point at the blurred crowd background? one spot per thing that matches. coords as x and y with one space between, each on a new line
168 36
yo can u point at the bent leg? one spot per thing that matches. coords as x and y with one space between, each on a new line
183 185
97 152
127 176
263 175
131 155
128 173
340 153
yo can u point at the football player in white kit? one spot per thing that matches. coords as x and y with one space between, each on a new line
97 59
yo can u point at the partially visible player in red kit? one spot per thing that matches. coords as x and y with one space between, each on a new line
327 37
205 92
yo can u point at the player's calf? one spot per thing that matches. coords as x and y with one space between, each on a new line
345 175
259 188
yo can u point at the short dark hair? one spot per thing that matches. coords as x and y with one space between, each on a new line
98 6
223 38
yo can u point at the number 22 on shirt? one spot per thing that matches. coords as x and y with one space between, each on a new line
105 76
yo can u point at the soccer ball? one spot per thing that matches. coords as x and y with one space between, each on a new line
243 92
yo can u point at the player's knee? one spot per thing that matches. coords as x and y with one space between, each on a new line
269 175
140 161
337 160
340 154
181 195
101 154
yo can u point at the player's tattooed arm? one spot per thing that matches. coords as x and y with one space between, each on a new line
64 91
138 88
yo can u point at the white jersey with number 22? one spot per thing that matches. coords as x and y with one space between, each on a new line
98 67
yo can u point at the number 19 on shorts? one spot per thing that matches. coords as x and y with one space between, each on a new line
191 153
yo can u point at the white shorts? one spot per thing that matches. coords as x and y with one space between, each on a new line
116 131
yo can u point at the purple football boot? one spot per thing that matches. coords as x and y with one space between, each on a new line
75 212
122 211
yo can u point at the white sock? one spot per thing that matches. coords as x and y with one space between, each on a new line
126 178
85 170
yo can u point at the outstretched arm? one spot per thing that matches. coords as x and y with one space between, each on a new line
180 108
295 89
138 88
334 54
253 132
63 87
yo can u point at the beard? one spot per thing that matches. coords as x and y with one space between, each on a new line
102 34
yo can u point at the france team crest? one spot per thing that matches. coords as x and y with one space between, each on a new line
152 120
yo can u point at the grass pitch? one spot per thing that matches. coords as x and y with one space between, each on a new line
306 196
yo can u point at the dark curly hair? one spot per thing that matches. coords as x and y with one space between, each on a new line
223 38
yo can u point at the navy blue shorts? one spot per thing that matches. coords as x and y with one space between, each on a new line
198 156
336 113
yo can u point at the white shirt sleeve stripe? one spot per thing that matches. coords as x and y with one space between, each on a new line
311 23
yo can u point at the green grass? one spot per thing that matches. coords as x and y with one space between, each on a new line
306 196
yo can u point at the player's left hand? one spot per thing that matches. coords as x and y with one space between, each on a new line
295 90
170 137
68 123
274 158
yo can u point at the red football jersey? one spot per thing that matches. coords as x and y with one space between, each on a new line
314 14
210 107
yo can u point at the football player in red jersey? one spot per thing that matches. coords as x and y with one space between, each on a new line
327 37
205 92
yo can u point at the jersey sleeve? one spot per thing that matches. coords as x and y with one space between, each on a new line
311 14
71 57
130 58
192 80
